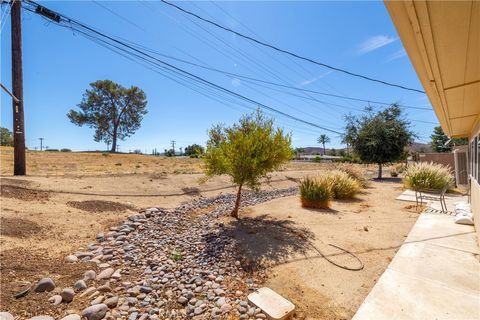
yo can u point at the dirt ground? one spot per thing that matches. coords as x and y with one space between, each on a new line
280 234
68 198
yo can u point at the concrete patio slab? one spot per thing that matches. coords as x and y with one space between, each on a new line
398 296
440 230
434 275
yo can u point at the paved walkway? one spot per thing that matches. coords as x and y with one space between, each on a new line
434 275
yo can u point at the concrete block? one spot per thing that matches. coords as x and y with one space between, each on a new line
272 304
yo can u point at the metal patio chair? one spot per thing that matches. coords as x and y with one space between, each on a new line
432 194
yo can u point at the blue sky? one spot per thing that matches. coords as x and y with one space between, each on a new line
358 36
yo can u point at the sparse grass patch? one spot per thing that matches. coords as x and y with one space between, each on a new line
316 192
424 175
176 255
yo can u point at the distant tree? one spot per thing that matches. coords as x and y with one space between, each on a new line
194 150
341 153
247 152
169 153
114 111
332 152
379 137
441 143
323 139
6 137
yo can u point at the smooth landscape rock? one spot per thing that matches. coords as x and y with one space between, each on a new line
89 275
105 274
80 285
95 312
111 302
45 284
67 295
72 258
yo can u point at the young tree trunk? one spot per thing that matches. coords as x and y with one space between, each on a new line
324 148
379 171
234 212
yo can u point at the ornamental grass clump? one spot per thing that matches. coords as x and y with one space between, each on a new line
424 175
343 186
316 192
356 174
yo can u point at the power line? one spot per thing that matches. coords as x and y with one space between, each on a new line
289 52
118 15
190 75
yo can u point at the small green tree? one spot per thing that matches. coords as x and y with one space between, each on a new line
441 143
323 139
6 137
247 151
378 137
194 150
114 111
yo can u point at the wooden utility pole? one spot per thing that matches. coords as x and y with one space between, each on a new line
17 86
41 143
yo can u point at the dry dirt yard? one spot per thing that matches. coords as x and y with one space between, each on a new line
67 198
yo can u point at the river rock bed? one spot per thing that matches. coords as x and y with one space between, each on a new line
170 264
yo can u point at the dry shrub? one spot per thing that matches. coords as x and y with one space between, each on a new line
343 186
316 192
424 175
355 173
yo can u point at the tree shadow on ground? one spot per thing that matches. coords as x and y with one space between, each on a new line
262 241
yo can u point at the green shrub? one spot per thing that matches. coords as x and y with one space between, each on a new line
65 150
393 174
343 186
315 192
52 150
424 175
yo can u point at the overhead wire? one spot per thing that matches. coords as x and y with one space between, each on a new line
188 74
289 52
118 15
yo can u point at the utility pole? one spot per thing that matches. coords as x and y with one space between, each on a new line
41 143
17 85
173 147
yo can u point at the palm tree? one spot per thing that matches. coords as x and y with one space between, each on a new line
322 140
